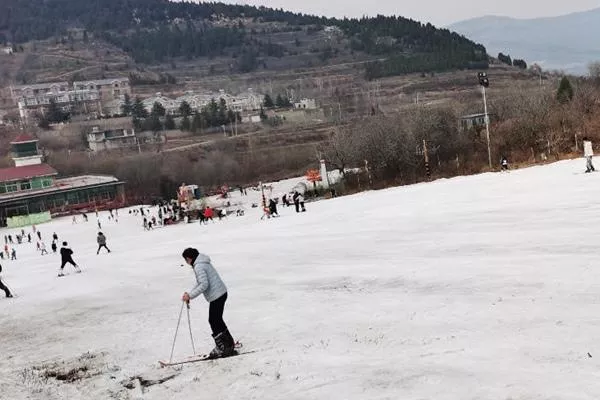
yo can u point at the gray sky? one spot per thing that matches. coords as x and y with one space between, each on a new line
438 12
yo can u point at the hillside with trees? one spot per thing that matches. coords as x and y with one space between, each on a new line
158 31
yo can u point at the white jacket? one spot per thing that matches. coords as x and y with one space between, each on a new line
208 280
588 150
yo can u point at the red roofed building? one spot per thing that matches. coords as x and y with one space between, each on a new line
31 192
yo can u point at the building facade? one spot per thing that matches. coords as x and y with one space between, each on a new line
31 192
110 139
108 89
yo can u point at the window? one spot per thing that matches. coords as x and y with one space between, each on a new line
46 183
11 187
25 185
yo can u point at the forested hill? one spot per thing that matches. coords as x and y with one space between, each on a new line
154 31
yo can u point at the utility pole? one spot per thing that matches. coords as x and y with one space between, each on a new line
484 83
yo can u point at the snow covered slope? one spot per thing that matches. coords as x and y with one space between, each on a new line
482 287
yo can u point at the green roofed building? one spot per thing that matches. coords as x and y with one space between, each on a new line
31 192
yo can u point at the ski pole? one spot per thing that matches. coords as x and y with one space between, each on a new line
190 326
176 331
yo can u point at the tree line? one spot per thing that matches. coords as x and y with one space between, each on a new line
157 30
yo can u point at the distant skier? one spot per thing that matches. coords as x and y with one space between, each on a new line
13 254
74 220
39 235
29 238
273 208
296 197
54 236
54 246
588 152
299 201
66 255
504 164
43 248
101 239
211 285
10 239
85 217
3 286
99 223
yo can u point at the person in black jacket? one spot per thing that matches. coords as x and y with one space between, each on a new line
66 255
4 287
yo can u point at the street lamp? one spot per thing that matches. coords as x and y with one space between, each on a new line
484 82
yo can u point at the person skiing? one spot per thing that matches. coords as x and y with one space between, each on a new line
99 223
55 236
43 248
301 202
13 254
101 239
66 255
209 283
588 152
29 238
3 286
273 208
504 163
54 246
39 235
209 214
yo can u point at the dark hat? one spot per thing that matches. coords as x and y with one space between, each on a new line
190 253
65 244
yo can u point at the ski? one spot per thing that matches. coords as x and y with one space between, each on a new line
200 358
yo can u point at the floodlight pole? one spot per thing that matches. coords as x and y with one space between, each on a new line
487 126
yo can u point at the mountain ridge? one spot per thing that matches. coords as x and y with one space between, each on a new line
560 42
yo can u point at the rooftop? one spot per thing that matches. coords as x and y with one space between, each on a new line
64 184
101 81
23 138
41 85
26 172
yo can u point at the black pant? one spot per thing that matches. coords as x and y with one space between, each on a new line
100 246
215 315
67 261
3 287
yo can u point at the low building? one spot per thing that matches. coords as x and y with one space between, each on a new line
31 192
110 139
474 121
79 101
28 91
109 89
170 105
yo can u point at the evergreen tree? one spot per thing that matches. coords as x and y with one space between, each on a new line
169 122
158 110
565 91
222 114
186 125
138 110
185 109
126 107
153 124
268 102
197 123
55 114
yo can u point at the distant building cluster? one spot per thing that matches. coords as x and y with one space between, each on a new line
85 96
244 102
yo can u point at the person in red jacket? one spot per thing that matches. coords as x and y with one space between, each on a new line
209 214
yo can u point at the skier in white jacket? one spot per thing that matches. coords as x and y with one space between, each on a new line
588 152
210 284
